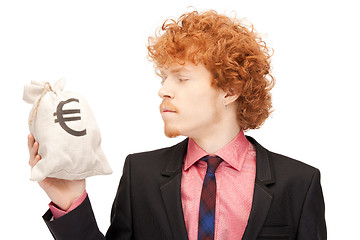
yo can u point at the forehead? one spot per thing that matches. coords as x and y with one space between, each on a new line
177 68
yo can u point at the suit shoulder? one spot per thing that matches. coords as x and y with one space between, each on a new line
289 162
282 162
157 154
289 168
150 163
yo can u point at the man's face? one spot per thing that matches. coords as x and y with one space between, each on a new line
190 106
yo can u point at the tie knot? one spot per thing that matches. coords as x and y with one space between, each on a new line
212 163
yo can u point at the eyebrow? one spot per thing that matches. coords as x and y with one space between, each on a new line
177 70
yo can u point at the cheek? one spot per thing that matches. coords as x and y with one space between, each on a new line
201 102
202 107
196 103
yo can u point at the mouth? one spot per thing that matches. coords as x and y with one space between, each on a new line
165 112
167 108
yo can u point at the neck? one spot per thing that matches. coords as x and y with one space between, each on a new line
216 138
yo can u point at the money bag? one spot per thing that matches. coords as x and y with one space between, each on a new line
68 135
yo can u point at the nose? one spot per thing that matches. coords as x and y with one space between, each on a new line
165 91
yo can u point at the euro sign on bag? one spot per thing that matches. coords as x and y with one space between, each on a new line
69 138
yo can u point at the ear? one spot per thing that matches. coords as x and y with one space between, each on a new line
230 97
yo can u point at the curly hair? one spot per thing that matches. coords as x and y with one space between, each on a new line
235 55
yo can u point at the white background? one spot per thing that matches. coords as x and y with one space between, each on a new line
100 47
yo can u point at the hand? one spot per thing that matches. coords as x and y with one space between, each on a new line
61 192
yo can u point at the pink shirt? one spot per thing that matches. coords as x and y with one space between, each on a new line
57 212
235 179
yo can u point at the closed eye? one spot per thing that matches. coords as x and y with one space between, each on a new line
183 79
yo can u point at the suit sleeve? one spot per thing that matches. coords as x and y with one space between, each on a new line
312 224
77 224
81 223
121 215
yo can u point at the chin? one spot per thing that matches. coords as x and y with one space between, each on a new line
171 132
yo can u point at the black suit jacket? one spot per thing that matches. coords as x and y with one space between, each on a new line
287 202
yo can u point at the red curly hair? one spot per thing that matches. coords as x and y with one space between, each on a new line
237 58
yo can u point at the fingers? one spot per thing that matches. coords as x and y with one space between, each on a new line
33 151
34 161
31 141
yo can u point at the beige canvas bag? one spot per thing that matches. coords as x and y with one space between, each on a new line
69 138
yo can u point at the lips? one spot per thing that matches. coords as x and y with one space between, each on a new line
166 107
168 110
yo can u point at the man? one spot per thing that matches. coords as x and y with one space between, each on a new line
218 183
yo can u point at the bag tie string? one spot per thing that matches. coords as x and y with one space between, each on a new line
47 87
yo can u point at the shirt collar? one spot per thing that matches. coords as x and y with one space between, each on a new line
233 153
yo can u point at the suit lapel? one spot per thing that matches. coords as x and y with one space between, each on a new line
262 197
171 191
